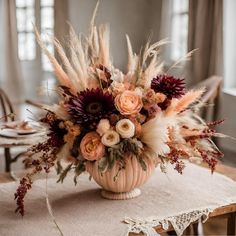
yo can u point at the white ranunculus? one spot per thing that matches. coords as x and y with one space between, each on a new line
103 126
110 138
125 128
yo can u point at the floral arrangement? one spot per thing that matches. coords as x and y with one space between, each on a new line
105 114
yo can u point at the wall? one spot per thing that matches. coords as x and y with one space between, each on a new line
1 41
228 98
228 112
137 18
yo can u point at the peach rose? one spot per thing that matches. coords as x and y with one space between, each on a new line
128 103
91 147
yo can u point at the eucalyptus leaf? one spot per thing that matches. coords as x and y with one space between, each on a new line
142 163
80 168
64 173
59 167
103 164
111 160
90 177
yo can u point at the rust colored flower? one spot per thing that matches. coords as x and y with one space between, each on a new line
138 127
73 131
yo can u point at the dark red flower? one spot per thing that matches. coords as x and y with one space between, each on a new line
91 105
56 133
168 85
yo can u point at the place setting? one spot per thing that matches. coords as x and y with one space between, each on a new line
21 129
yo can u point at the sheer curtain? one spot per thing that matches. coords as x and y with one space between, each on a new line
10 74
206 34
61 27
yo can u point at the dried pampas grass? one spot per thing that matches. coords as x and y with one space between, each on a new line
179 105
58 70
155 134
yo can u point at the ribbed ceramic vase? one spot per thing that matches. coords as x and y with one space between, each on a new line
128 180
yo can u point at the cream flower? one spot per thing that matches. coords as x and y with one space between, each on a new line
155 134
125 128
110 138
103 126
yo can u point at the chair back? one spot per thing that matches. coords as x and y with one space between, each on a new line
210 96
6 107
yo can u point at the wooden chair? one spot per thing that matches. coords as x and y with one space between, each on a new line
7 114
209 112
210 97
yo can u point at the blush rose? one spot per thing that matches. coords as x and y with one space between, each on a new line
128 103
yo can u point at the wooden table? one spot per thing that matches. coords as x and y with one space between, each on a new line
228 211
7 143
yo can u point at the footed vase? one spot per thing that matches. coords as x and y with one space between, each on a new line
125 186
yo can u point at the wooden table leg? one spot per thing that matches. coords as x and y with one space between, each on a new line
231 224
172 232
188 230
7 159
195 229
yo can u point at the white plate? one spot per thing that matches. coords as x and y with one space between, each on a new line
37 129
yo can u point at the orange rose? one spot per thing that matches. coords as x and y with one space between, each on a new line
128 103
91 147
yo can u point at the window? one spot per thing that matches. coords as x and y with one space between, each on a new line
25 13
229 46
179 29
47 29
38 12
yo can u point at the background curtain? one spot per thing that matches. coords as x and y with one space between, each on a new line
11 75
61 28
206 34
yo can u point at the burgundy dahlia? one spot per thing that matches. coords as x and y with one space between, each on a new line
91 105
168 85
55 133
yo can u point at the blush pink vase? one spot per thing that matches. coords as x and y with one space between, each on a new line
129 179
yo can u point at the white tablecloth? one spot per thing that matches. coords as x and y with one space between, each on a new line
166 198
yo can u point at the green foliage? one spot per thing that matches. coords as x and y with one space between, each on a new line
142 163
79 169
59 167
103 164
118 152
64 173
75 148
